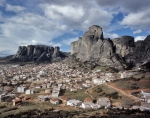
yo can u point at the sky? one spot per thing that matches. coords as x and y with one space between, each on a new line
60 22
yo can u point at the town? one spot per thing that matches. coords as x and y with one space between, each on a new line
59 84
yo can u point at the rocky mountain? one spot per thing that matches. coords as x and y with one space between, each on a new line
38 53
141 52
122 52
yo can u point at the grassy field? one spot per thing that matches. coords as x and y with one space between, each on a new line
126 84
29 106
80 94
103 90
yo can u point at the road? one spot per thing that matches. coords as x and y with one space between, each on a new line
117 89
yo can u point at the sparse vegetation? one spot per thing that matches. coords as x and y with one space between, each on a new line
112 94
128 84
51 113
80 94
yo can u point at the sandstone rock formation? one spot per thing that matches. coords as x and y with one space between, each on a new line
119 53
38 53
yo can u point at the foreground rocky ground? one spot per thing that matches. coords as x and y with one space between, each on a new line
111 113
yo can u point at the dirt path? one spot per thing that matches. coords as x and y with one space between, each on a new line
123 92
86 91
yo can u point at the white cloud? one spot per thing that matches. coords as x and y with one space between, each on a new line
14 8
29 28
41 21
137 20
1 17
2 2
68 41
7 46
111 35
139 38
77 17
137 31
125 5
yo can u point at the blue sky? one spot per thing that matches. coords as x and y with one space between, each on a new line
59 22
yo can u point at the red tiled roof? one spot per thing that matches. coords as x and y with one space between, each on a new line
88 99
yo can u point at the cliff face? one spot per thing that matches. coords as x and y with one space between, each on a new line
140 53
38 53
118 53
124 45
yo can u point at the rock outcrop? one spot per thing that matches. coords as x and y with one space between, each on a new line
140 53
124 45
119 53
38 53
93 47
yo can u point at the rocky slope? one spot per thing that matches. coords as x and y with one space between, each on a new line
120 52
38 53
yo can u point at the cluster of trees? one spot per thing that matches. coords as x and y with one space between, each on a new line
134 86
98 90
35 113
117 113
113 95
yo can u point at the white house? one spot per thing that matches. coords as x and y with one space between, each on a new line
55 94
145 92
145 95
43 98
126 75
104 101
94 106
86 105
123 75
74 102
47 90
145 106
98 81
147 99
73 89
89 105
21 89
16 78
29 91
41 73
